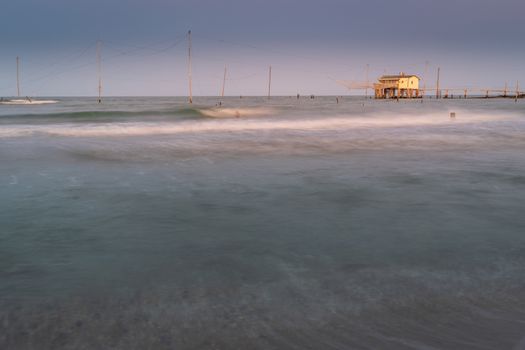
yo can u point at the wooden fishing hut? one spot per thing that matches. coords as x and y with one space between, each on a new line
397 86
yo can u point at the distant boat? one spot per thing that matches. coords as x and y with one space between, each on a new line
23 101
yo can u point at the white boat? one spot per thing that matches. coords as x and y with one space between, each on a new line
26 101
22 101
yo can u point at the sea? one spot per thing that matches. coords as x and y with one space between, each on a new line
255 223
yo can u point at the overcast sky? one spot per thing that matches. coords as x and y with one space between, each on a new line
310 44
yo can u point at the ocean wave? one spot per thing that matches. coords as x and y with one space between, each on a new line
99 114
235 112
337 123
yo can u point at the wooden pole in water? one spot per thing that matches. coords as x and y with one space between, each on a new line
17 76
224 81
517 91
505 91
425 80
437 83
189 68
465 96
367 70
269 81
99 71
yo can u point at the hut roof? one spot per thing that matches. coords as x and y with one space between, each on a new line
396 77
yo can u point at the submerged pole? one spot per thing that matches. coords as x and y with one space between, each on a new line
17 76
189 68
99 71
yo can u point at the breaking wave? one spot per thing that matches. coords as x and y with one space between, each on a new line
336 123
82 115
235 112
217 112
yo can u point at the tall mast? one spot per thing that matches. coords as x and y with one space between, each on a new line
269 81
224 81
99 70
189 67
18 76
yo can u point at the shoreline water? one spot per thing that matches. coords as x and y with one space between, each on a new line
315 225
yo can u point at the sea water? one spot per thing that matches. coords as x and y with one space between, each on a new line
248 223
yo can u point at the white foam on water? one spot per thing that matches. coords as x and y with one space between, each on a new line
235 112
336 123
16 131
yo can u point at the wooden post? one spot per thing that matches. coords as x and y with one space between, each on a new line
269 81
99 70
437 83
366 90
517 92
224 81
189 68
17 76
505 91
465 96
487 94
425 80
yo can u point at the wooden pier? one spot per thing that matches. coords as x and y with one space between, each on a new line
405 86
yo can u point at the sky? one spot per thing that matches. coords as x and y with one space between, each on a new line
311 45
